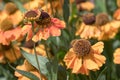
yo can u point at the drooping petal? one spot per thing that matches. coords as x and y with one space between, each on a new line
90 64
99 59
54 31
77 65
84 70
98 47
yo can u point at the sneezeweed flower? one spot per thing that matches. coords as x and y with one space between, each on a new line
108 28
8 32
83 57
29 47
84 5
46 26
13 13
87 28
9 52
117 56
26 66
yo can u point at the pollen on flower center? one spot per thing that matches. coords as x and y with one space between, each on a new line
81 47
6 24
44 18
89 18
10 8
102 19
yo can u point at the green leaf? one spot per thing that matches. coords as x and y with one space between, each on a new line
66 10
42 61
25 73
100 6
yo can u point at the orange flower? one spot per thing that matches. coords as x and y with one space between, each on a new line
10 52
26 66
46 27
8 33
83 57
87 28
108 28
117 56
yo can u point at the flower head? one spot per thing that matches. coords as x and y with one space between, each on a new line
83 57
45 27
87 28
108 28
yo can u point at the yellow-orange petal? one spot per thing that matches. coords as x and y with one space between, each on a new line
13 56
77 65
54 31
98 47
68 57
117 56
21 67
84 70
99 59
81 28
90 64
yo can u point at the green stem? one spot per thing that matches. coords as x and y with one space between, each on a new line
36 57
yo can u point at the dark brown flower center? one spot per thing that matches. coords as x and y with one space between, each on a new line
44 18
80 1
30 44
6 24
81 47
89 18
101 19
10 8
32 14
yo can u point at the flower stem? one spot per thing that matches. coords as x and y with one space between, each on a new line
36 57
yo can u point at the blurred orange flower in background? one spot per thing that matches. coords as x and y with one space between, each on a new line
108 28
116 14
26 66
83 57
8 32
11 53
117 56
87 29
29 47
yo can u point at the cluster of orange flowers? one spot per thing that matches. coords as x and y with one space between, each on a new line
40 25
